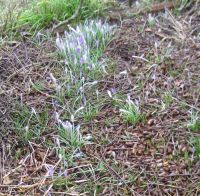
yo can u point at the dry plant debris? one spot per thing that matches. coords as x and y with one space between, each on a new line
158 66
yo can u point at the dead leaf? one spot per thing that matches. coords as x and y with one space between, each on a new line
7 180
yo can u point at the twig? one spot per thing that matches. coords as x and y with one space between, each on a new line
183 102
60 27
141 58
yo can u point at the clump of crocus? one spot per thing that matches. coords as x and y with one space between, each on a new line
131 112
70 133
79 44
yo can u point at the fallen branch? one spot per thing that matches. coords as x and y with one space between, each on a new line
62 25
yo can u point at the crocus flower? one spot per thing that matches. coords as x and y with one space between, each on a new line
60 173
67 126
109 93
81 41
51 170
78 50
87 37
65 173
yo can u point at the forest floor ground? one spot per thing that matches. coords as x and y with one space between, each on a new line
158 65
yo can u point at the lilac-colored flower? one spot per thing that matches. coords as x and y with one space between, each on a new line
67 126
65 173
78 50
66 62
81 41
57 117
77 44
85 57
78 128
60 173
113 90
58 40
75 60
109 93
65 163
51 170
82 61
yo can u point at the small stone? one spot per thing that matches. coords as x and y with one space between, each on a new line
151 122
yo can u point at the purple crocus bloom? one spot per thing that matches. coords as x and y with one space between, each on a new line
51 171
81 40
66 62
65 163
74 42
65 173
67 126
81 61
78 50
60 172
113 90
